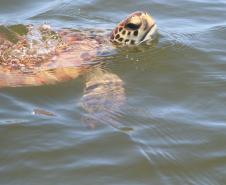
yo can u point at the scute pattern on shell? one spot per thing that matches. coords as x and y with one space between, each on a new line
44 56
30 50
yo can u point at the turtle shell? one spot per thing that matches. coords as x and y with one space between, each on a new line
37 55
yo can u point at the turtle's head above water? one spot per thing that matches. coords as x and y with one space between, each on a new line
135 29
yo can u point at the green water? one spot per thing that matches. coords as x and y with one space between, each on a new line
172 129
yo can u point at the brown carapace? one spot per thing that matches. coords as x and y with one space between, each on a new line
135 29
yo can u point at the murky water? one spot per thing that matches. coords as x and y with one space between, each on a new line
172 129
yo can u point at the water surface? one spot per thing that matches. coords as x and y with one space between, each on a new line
172 129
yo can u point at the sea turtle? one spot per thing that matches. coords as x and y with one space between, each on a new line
37 55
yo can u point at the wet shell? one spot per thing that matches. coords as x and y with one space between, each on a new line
43 56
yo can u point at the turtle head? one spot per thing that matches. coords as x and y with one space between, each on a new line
135 29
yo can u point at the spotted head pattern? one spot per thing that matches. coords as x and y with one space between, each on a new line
135 29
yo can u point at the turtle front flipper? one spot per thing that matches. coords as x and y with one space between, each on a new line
104 95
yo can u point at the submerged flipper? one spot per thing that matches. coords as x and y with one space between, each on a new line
104 96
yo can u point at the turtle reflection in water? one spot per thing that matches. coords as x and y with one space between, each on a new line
38 55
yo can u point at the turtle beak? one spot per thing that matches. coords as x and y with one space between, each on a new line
150 33
149 28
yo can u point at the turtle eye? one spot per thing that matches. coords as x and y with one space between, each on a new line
133 26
